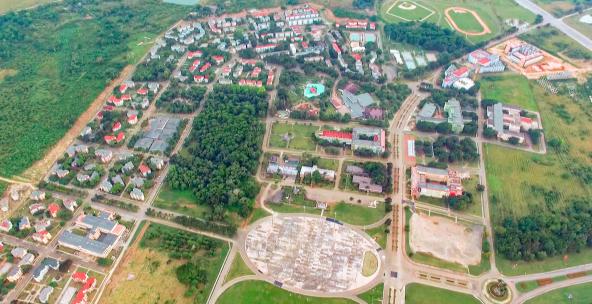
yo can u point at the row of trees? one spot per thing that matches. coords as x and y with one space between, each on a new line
222 151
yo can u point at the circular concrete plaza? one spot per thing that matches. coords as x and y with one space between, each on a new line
312 254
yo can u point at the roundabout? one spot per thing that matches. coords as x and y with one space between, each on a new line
310 254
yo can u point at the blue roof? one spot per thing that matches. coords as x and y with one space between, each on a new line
95 246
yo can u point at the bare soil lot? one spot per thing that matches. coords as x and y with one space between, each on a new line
445 239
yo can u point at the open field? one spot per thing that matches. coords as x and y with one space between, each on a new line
379 235
53 86
446 240
509 88
12 5
264 293
520 182
153 266
493 13
373 295
182 201
238 269
467 22
580 294
581 27
557 7
258 213
422 294
299 136
558 44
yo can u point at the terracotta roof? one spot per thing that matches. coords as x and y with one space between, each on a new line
337 134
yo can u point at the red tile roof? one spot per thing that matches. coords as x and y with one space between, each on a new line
79 276
120 137
116 126
142 91
53 208
460 71
144 169
337 134
123 88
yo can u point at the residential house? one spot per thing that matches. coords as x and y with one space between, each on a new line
53 209
5 225
70 204
42 237
37 195
44 294
137 194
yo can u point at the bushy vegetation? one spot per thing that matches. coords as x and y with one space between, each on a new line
199 252
221 154
180 99
544 234
64 54
429 37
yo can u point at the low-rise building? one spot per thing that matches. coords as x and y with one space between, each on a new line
436 182
508 122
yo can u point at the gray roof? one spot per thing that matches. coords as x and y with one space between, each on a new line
427 111
45 293
431 170
99 246
102 221
356 103
498 117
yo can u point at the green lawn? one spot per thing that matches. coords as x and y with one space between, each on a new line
513 268
258 213
373 295
330 164
557 7
356 214
139 45
527 286
509 88
556 43
238 269
182 201
466 22
379 235
580 294
301 136
265 293
422 294
3 187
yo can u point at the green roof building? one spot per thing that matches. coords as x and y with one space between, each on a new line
454 112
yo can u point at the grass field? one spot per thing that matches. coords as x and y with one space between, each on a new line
379 235
265 293
556 43
348 213
466 21
557 7
258 213
493 13
581 27
517 181
301 136
238 269
12 5
422 294
580 294
509 88
182 201
55 84
373 295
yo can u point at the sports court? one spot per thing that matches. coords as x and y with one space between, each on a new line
409 11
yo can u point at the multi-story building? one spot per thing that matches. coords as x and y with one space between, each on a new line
523 54
436 182
508 122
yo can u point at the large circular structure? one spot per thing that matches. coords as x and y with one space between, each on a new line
314 254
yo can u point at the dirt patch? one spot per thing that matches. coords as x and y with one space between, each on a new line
38 170
370 264
543 282
446 240
7 72
576 275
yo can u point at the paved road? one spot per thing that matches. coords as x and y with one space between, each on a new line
556 22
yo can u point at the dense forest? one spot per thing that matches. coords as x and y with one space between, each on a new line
221 154
60 57
544 234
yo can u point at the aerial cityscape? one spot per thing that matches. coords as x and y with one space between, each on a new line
296 151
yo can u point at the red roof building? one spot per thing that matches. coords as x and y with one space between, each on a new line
218 59
126 97
304 45
132 119
270 77
145 170
53 209
336 48
461 72
205 67
336 135
109 139
195 54
116 126
194 65
142 91
80 277
123 88
120 137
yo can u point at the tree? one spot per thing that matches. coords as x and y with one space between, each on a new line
104 262
538 19
316 177
535 135
444 128
489 132
514 140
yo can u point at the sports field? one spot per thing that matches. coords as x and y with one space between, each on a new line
466 21
422 294
409 11
493 13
